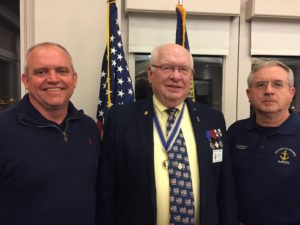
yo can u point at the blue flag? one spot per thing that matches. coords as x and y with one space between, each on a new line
182 39
181 33
116 86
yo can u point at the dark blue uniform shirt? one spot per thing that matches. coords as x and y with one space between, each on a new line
266 165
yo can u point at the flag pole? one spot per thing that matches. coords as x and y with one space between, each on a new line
115 82
108 53
182 39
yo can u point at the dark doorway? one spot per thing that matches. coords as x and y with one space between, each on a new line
9 52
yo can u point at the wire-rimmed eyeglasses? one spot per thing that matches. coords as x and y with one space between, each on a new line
168 69
276 84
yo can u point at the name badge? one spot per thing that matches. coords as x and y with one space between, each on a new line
217 155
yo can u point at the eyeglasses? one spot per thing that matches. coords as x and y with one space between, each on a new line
276 84
168 69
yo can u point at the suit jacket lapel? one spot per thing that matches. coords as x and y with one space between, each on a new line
199 128
145 128
145 123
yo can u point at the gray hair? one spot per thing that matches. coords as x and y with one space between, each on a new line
155 54
262 63
45 44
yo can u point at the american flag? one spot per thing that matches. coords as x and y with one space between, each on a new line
116 86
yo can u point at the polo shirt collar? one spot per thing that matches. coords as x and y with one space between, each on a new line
289 127
27 113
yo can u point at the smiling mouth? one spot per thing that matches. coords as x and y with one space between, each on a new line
53 89
173 86
173 89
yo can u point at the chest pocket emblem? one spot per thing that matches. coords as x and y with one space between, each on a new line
285 155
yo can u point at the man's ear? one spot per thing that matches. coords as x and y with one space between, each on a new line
150 74
25 80
293 91
75 79
248 92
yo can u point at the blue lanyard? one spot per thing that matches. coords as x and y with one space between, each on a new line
168 142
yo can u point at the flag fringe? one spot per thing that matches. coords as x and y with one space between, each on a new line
183 17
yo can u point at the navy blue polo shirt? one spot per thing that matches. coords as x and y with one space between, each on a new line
266 165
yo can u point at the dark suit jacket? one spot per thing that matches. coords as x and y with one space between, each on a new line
127 179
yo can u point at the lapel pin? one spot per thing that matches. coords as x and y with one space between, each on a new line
146 113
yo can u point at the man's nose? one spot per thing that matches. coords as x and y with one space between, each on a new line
269 88
52 76
175 73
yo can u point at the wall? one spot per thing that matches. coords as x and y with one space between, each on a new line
79 25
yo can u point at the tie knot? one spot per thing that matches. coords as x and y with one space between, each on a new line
171 119
171 111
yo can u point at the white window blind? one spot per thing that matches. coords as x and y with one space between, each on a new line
207 35
203 7
275 37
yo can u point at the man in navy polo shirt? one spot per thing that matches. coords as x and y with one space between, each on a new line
265 149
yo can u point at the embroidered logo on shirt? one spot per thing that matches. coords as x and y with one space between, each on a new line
285 155
90 141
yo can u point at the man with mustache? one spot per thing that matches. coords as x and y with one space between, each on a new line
265 149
